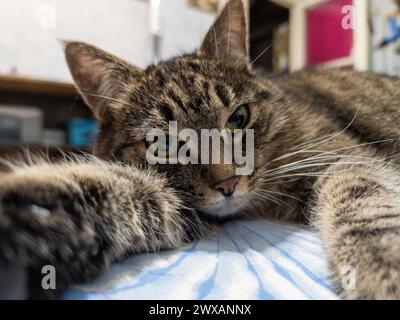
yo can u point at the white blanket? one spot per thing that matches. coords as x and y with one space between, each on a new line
249 260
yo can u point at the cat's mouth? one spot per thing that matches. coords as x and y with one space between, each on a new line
224 206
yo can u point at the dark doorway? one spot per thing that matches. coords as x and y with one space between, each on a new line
269 36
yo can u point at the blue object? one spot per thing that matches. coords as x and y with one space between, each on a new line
250 259
82 132
394 32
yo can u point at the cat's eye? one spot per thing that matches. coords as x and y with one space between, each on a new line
239 119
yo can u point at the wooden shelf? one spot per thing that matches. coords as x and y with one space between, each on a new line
35 86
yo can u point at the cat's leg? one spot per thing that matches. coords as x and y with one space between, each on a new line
79 216
357 210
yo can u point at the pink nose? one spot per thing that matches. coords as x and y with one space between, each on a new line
227 186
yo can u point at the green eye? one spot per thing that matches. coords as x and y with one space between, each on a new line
238 119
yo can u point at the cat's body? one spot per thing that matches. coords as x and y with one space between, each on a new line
369 102
326 151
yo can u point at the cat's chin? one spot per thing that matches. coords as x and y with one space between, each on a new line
224 208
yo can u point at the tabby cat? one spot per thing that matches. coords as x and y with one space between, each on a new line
327 153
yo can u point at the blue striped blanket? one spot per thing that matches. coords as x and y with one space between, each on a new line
248 260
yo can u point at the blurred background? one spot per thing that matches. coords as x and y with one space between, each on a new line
39 106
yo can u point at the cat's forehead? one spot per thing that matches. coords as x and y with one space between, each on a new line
188 88
186 64
188 71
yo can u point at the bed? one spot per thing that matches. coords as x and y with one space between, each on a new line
248 260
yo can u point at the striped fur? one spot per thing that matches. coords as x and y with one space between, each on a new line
326 152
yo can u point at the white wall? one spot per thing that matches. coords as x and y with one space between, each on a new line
30 29
183 27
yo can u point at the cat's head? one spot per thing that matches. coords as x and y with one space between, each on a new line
213 88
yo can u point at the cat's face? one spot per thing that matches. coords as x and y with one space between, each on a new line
211 89
197 93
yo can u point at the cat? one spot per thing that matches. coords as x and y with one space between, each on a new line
326 146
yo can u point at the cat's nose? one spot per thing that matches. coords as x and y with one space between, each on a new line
227 186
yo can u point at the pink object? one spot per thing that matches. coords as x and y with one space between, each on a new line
326 39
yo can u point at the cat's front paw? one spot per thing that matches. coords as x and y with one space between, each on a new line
373 268
380 286
43 222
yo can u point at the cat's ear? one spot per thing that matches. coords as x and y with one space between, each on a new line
99 76
227 37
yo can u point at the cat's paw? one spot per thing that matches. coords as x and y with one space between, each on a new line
43 221
375 269
376 287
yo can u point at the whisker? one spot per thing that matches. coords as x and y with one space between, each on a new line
286 195
322 153
215 42
306 174
340 149
312 140
229 30
105 97
330 137
311 165
266 196
262 53
311 160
